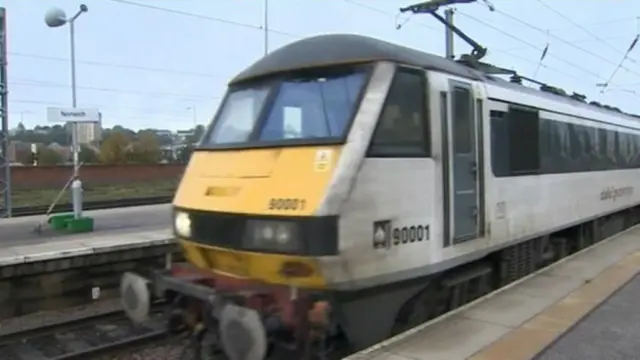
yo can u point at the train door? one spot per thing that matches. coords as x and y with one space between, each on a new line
464 149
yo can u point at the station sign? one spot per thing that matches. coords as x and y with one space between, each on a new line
63 115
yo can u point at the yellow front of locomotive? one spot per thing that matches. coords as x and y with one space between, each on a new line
247 209
249 213
246 206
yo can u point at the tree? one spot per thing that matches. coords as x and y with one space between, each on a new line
184 154
146 150
197 134
87 155
114 149
48 156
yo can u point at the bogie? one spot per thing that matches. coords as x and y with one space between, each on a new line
460 286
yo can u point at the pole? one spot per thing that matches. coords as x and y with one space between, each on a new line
448 37
5 164
76 185
266 27
195 118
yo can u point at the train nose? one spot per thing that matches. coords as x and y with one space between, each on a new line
242 333
135 297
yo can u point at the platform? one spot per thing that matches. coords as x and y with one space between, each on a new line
554 314
20 230
610 332
83 244
66 272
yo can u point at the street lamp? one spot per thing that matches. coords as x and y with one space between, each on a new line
265 15
56 17
194 114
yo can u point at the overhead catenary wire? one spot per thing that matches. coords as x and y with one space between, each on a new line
542 56
587 71
613 74
539 63
293 35
583 28
589 40
205 17
201 74
116 65
106 106
572 64
507 53
568 43
392 15
47 84
600 23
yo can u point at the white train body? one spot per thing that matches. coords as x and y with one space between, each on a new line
346 182
412 191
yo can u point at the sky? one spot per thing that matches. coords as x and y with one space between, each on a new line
165 63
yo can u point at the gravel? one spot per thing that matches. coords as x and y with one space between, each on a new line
176 348
172 349
45 318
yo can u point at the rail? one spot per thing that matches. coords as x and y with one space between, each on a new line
93 205
97 335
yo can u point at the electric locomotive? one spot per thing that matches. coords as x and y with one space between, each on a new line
349 188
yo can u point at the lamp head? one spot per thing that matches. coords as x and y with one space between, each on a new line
55 17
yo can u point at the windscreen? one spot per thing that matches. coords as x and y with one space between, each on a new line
310 106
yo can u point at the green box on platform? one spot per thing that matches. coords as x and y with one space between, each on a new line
80 225
59 222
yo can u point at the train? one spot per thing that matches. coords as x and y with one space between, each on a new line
348 189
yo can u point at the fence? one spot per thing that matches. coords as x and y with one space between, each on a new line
28 177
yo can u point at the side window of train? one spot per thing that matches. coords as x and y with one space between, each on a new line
515 142
402 129
499 143
524 141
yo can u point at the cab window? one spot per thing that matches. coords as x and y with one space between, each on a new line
297 108
402 130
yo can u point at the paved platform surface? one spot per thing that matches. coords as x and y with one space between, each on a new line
611 331
20 231
85 245
527 319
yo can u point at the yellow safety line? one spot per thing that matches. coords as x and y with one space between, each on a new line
539 332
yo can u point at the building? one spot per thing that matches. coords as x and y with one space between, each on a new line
89 132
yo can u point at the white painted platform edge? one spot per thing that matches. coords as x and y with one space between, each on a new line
366 353
72 248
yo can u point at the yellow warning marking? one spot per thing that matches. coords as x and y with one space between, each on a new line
525 342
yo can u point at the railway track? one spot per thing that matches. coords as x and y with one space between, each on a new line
93 205
87 338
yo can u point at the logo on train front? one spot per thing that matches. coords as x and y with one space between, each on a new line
382 234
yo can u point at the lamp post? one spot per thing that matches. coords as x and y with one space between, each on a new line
265 15
194 114
56 17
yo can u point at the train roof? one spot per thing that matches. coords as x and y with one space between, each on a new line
564 99
333 49
336 49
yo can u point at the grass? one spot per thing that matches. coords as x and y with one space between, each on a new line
36 197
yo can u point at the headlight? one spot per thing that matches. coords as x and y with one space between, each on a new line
182 224
272 235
